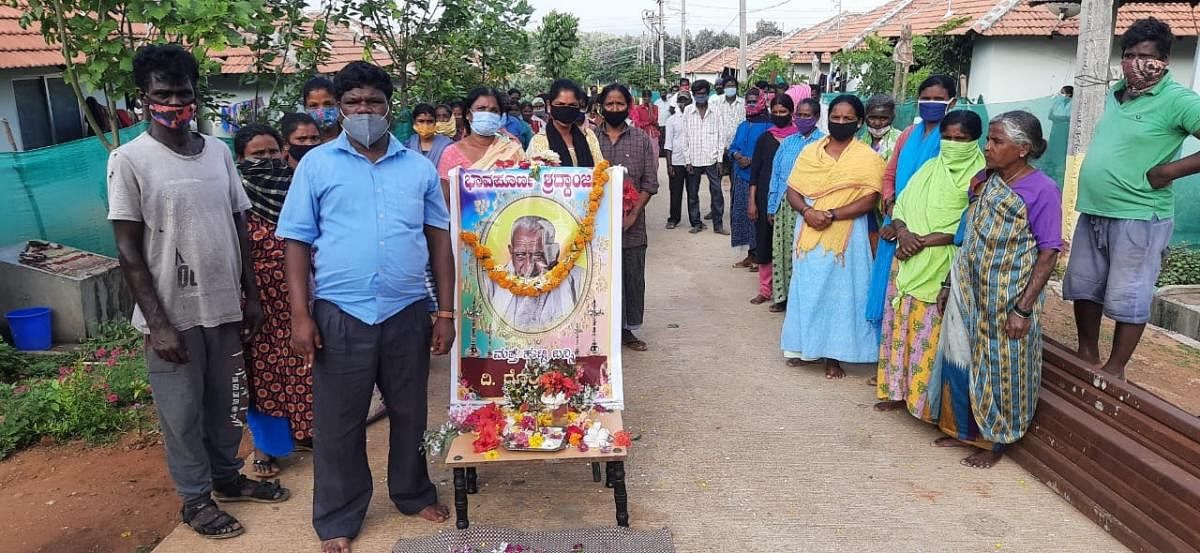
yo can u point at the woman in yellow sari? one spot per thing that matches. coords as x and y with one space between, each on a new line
484 146
833 186
924 222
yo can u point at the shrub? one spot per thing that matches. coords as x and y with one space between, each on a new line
12 362
104 393
1182 266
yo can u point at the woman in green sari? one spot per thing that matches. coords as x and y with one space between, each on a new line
989 368
924 222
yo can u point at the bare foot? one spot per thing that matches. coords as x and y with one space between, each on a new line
759 300
982 459
336 545
435 513
1091 358
947 441
873 381
1116 372
886 406
798 362
834 371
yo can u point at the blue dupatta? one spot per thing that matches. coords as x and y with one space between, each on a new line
918 149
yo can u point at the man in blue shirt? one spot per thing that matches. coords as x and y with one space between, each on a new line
373 212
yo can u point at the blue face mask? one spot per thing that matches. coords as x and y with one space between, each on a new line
325 117
485 123
932 111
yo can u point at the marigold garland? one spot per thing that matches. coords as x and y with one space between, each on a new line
541 284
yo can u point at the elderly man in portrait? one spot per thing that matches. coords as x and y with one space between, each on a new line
533 251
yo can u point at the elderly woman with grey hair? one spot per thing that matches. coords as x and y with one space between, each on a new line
989 367
879 133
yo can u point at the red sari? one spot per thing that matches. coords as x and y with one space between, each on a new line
282 386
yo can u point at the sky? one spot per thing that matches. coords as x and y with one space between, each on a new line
625 16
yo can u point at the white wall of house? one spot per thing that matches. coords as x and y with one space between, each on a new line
1006 69
236 92
8 102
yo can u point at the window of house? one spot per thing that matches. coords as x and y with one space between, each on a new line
48 112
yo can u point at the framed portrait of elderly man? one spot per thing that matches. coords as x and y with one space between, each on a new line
538 281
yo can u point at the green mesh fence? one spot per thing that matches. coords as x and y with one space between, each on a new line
58 193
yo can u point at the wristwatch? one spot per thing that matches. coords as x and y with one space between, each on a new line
445 315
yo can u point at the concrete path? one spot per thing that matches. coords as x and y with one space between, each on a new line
738 453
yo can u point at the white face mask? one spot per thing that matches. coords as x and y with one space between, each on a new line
879 133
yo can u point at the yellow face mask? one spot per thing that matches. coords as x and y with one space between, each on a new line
446 128
424 130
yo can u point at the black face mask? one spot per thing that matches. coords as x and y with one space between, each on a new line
843 131
616 118
297 151
565 114
781 121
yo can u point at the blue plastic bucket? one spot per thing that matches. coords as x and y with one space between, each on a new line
30 328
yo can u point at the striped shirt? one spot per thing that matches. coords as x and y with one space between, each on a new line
732 115
701 141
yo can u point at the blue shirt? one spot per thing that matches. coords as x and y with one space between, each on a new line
521 130
785 160
744 140
366 222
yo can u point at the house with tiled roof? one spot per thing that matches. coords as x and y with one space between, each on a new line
1018 51
37 108
710 65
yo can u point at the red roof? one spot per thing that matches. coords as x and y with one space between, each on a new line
21 48
983 17
346 45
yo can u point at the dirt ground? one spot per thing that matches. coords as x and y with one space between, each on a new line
74 498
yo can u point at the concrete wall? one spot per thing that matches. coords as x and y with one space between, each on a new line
1006 69
78 303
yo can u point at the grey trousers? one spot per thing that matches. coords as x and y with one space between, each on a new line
202 409
354 358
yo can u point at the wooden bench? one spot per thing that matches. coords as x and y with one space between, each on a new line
463 459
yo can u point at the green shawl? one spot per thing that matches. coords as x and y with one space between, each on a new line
934 201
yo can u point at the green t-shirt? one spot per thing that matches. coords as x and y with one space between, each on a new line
1130 139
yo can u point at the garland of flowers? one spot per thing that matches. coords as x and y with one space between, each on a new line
531 287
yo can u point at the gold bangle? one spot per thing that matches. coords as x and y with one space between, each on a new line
445 315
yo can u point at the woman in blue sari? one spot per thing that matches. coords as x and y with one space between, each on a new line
919 143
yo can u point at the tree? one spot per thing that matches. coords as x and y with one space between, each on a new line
99 38
769 67
871 65
289 53
938 53
764 29
708 40
557 39
429 42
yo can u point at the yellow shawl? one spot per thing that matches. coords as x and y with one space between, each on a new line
832 183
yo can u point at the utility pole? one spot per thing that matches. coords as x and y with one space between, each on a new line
742 74
682 38
1091 90
662 46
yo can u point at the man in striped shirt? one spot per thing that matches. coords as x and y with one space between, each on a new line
701 154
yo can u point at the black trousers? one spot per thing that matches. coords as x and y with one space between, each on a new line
677 181
355 358
633 286
717 196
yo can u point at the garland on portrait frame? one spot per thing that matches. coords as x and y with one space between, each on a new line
532 287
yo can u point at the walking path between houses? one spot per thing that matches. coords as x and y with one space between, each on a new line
737 452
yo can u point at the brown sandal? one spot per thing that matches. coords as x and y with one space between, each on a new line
759 300
778 307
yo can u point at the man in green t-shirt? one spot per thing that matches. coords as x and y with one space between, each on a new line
1126 203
